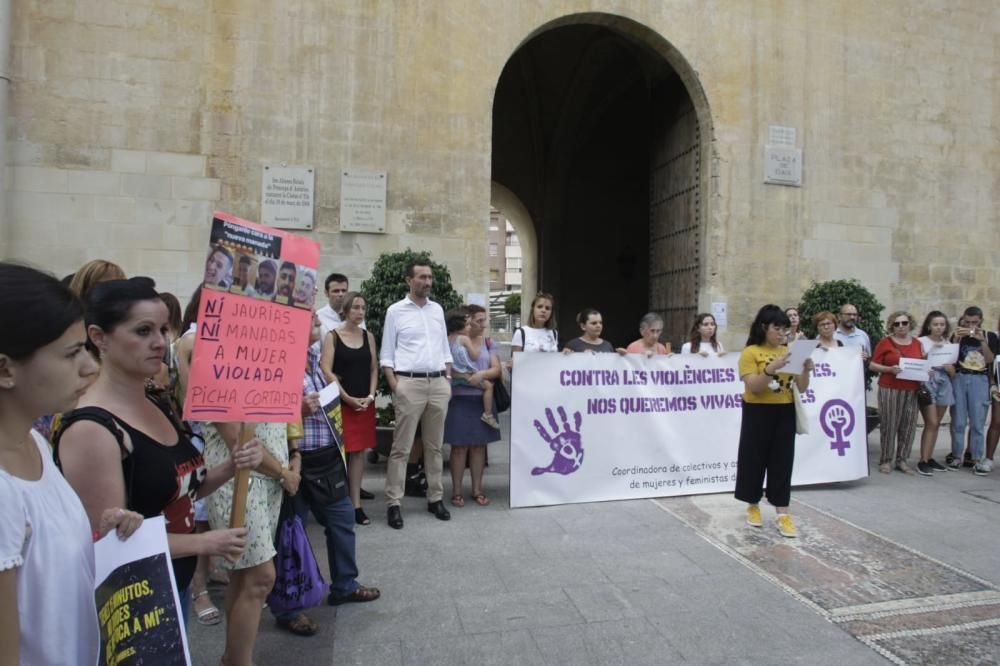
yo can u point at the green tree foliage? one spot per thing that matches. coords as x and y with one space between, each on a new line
830 296
386 285
512 304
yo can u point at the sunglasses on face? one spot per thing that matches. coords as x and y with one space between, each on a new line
900 323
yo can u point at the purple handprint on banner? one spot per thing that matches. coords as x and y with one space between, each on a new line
837 419
565 443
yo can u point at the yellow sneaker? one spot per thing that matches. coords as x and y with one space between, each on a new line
786 526
753 516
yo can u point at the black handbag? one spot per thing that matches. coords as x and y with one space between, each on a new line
923 396
501 396
324 479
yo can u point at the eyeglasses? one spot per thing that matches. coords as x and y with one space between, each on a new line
900 323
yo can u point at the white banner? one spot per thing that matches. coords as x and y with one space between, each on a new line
593 427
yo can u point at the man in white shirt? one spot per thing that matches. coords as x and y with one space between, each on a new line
849 333
416 360
336 287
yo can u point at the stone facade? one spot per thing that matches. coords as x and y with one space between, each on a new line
131 120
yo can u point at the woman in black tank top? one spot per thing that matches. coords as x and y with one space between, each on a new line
120 448
349 359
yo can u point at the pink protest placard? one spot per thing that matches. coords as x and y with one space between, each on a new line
253 324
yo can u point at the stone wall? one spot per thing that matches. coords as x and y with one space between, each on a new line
130 121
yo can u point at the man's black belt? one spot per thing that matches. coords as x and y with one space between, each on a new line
421 375
963 371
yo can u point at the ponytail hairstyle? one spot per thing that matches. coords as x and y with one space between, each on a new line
349 299
585 314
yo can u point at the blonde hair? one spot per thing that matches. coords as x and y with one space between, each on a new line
92 272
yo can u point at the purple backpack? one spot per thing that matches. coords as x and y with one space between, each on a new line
298 583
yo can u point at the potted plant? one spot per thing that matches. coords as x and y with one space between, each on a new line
830 295
385 286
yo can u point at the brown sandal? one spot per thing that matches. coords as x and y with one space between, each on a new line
457 500
481 499
300 625
360 595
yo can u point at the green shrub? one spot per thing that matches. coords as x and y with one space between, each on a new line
386 285
831 295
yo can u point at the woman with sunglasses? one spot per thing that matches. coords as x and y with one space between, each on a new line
897 398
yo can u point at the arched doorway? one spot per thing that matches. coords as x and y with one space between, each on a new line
600 130
514 210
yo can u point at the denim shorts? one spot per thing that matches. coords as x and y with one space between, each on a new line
939 386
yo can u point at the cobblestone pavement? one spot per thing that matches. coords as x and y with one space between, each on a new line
892 568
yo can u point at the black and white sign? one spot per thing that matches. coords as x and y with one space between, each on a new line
287 196
362 201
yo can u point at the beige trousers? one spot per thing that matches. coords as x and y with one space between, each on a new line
423 401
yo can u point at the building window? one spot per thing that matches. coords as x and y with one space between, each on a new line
514 264
512 240
494 250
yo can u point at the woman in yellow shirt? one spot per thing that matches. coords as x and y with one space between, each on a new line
767 434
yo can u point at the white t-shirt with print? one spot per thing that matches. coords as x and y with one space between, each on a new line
535 339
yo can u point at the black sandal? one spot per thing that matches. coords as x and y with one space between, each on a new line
361 518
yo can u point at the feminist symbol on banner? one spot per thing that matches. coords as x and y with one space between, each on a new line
837 419
566 445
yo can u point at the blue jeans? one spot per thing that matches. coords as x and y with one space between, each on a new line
185 610
972 404
337 520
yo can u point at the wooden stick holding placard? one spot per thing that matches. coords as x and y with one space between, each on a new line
241 480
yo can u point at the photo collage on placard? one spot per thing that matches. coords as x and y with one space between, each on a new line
248 262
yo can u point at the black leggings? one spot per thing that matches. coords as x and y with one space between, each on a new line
767 445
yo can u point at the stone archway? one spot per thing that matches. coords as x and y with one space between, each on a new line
513 209
602 131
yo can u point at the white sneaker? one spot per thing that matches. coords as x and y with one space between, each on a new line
987 463
981 469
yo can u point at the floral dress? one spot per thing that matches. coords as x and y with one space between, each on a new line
263 497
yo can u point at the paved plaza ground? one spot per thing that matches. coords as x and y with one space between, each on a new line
897 568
